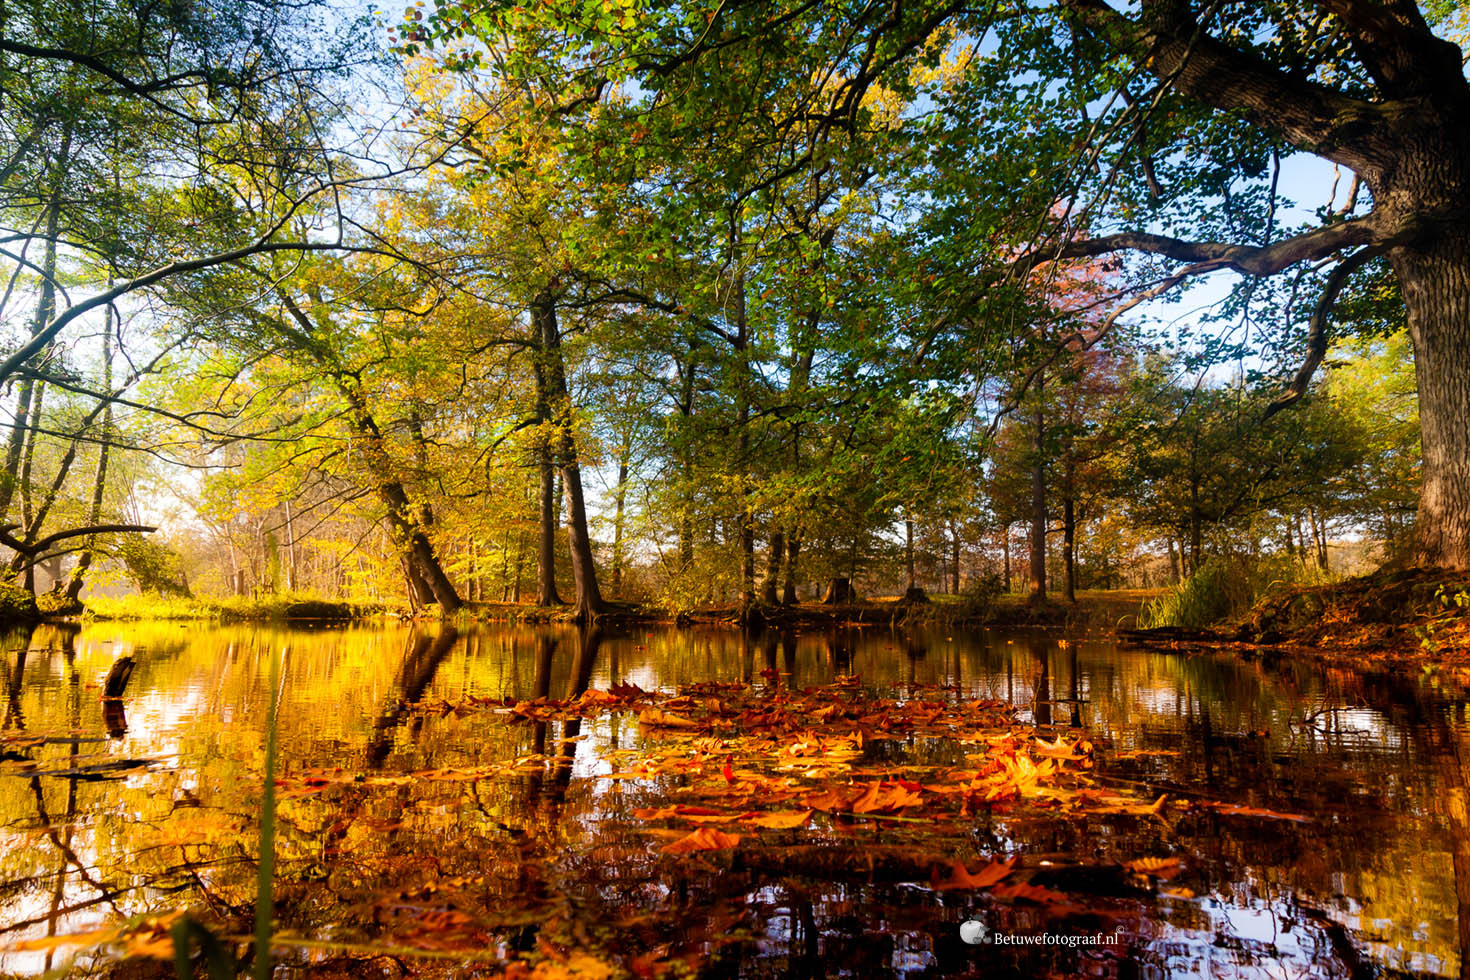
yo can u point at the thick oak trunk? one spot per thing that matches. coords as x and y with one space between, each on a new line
546 594
1435 281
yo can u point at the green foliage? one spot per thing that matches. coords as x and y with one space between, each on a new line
58 603
17 605
154 566
1450 604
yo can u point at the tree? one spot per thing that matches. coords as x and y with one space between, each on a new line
1196 466
1137 122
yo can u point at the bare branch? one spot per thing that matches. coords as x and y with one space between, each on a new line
1317 334
1252 260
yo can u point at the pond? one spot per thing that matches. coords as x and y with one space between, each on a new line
1318 816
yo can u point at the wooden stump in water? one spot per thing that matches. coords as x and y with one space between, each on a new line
117 677
915 596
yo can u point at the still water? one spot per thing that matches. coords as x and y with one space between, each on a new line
113 811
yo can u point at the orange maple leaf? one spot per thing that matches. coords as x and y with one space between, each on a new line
961 878
703 839
779 819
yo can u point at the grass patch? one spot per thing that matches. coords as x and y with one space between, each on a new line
1225 589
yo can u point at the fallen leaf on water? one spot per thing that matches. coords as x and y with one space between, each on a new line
1030 893
655 813
827 800
1158 867
703 839
1235 810
1062 749
961 878
710 817
698 814
576 966
654 718
883 796
779 820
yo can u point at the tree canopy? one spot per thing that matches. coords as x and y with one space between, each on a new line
745 296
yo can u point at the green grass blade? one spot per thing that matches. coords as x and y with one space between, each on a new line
263 900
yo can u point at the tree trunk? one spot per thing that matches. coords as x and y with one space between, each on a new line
1196 518
1319 536
1435 281
686 462
1005 545
908 553
1037 588
27 511
515 592
45 308
742 444
954 543
788 591
419 592
99 477
620 493
769 594
911 593
1069 548
546 594
839 592
588 602
292 569
584 570
408 537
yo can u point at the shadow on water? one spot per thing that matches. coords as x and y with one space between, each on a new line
408 824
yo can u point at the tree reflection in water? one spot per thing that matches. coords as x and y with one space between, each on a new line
412 842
